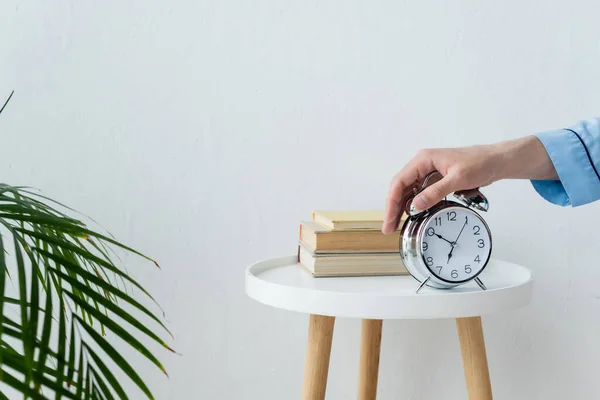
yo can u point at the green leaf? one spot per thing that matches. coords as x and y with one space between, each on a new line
26 338
97 235
17 334
35 303
72 355
3 272
99 282
118 244
80 374
6 102
88 386
96 393
114 382
25 189
62 337
115 356
83 252
101 391
118 330
29 203
18 302
46 331
18 364
41 218
16 361
61 250
26 247
102 250
20 386
109 305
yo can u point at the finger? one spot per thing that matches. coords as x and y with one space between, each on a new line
399 189
394 212
435 193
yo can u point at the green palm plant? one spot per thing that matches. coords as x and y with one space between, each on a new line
68 294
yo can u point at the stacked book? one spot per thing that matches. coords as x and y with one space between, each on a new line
348 243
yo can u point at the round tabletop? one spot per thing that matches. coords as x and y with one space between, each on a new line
284 283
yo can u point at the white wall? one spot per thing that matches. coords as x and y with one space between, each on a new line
203 132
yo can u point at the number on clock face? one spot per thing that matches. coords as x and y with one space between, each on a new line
455 245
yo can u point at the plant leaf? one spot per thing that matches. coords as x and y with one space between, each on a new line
62 337
46 331
83 252
3 272
99 282
72 351
27 340
99 392
115 356
107 374
88 386
6 102
118 311
80 373
118 330
20 386
61 250
19 364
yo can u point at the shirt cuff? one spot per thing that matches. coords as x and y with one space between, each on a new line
578 183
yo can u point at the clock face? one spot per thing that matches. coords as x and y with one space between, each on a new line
455 244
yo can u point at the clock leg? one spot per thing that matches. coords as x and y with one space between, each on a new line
423 284
480 284
472 346
316 365
370 346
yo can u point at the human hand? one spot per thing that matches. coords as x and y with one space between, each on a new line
465 168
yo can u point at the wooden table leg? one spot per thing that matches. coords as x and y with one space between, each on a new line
370 346
472 346
316 365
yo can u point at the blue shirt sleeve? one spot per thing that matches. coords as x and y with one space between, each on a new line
575 153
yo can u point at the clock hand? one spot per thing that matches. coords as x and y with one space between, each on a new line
461 231
441 237
451 250
456 241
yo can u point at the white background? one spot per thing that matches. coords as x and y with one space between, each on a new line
202 132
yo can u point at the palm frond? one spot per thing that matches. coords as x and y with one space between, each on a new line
66 298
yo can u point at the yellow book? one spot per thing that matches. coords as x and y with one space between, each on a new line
349 219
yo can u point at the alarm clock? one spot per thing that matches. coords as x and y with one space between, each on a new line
449 244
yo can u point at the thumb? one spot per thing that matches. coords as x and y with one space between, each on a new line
434 193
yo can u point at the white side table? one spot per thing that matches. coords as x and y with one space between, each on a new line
283 283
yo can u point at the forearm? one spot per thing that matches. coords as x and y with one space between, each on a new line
575 154
524 158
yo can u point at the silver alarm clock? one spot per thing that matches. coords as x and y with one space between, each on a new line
449 244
